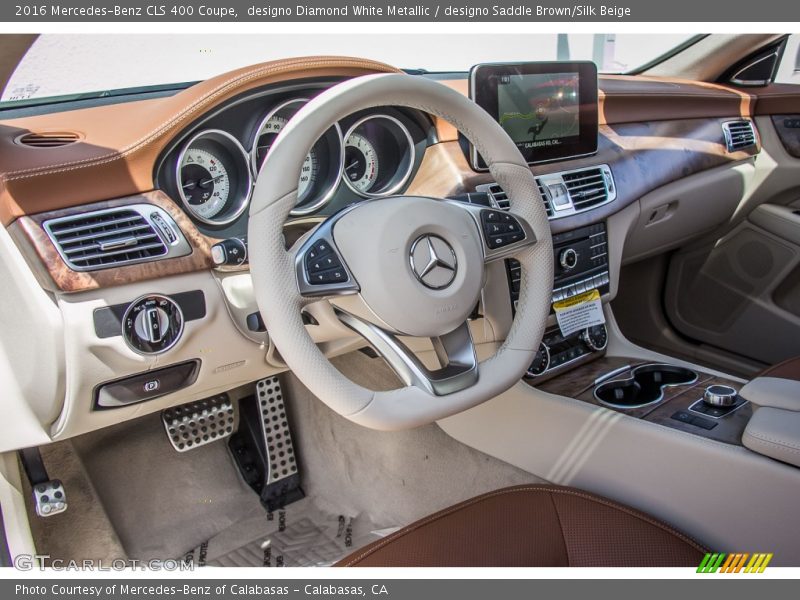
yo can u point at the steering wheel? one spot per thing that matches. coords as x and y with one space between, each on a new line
404 265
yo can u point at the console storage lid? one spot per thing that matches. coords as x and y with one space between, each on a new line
774 392
774 432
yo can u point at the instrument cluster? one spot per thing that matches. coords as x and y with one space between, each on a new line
212 169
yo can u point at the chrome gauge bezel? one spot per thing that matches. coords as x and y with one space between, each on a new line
398 179
329 191
243 190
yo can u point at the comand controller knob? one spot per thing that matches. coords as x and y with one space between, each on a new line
720 395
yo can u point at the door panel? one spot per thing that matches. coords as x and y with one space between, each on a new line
725 295
741 293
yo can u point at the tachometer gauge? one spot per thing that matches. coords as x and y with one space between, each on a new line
321 169
360 162
213 177
378 156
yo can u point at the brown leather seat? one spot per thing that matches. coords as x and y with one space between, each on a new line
788 369
533 526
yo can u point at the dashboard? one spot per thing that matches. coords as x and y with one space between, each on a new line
185 164
210 168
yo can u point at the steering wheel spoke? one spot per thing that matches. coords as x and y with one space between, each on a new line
416 263
455 351
319 267
502 233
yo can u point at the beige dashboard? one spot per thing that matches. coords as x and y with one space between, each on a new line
655 135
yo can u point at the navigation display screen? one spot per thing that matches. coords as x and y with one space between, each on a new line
548 109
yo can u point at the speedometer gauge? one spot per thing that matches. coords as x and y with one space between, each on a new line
213 177
360 162
321 169
205 182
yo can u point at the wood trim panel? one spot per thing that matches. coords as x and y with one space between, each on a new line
632 99
578 383
642 157
28 231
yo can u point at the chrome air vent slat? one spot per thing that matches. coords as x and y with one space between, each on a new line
739 135
567 192
115 237
94 236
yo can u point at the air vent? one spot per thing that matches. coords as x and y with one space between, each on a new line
567 192
586 187
48 140
114 237
500 198
739 135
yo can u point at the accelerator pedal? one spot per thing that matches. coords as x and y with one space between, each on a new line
198 423
263 447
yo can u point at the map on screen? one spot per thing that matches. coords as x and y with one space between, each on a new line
541 109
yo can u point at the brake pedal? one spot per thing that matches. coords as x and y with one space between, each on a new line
198 423
263 446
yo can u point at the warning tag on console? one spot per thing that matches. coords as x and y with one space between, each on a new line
579 312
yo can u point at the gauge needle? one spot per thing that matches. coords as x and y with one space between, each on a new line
189 185
351 165
212 180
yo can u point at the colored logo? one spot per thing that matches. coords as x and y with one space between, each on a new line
735 563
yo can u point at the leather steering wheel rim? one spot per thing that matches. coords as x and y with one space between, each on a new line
275 272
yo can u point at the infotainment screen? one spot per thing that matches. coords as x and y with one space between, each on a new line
549 109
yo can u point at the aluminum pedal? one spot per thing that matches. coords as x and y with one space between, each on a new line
281 458
49 498
198 423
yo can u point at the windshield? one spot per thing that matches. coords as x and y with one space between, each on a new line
62 64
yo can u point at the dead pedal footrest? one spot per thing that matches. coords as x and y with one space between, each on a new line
198 423
263 447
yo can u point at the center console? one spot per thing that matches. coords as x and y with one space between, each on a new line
580 265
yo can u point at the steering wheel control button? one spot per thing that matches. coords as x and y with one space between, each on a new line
501 229
323 263
433 261
152 324
323 266
318 250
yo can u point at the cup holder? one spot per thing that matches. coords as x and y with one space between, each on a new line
644 385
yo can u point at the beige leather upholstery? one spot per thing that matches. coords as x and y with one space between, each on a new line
533 526
775 392
774 429
774 432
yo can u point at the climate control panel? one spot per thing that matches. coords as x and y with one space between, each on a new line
557 352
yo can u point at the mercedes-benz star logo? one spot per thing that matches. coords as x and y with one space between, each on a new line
433 261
